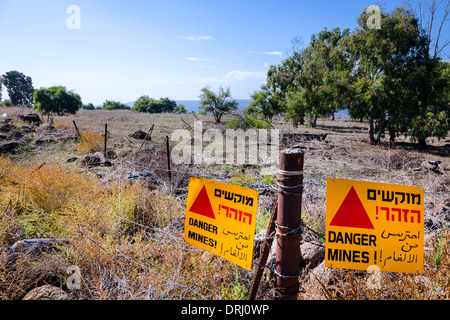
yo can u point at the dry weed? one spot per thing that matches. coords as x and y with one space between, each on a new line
91 141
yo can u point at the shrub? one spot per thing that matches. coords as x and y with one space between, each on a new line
91 141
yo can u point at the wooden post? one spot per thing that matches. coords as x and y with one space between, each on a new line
264 253
168 160
288 223
106 137
76 128
148 137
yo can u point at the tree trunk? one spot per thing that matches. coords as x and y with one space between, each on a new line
379 136
371 137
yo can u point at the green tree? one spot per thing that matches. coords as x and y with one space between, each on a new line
389 67
150 105
264 102
57 101
88 106
1 87
180 108
320 78
20 88
217 103
432 117
114 105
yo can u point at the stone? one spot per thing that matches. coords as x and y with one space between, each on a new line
91 161
34 262
9 147
7 128
31 118
139 135
47 292
71 159
433 166
32 248
15 135
312 254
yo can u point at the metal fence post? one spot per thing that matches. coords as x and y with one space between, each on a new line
288 223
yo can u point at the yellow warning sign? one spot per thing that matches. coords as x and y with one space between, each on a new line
374 224
221 218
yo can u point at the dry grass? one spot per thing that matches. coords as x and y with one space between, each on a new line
91 141
139 257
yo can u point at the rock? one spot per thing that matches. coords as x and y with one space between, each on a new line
312 254
91 161
31 118
43 141
26 129
138 175
49 128
433 166
139 135
111 154
10 147
47 292
33 262
72 159
7 128
106 163
15 135
258 243
32 248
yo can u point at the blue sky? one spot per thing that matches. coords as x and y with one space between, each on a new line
126 49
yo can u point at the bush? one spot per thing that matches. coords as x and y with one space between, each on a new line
247 122
114 105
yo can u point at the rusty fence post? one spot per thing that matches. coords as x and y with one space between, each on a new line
106 137
288 224
76 128
166 141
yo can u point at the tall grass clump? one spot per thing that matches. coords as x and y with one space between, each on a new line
90 141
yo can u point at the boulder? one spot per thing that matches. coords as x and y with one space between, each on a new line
10 147
31 249
33 262
433 166
7 128
91 161
31 118
15 135
139 135
47 292
311 254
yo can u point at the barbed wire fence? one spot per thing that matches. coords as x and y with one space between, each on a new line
174 280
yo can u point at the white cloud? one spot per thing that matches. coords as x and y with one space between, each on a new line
266 65
196 59
235 76
193 38
272 53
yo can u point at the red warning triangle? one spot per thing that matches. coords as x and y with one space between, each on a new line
202 205
352 213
